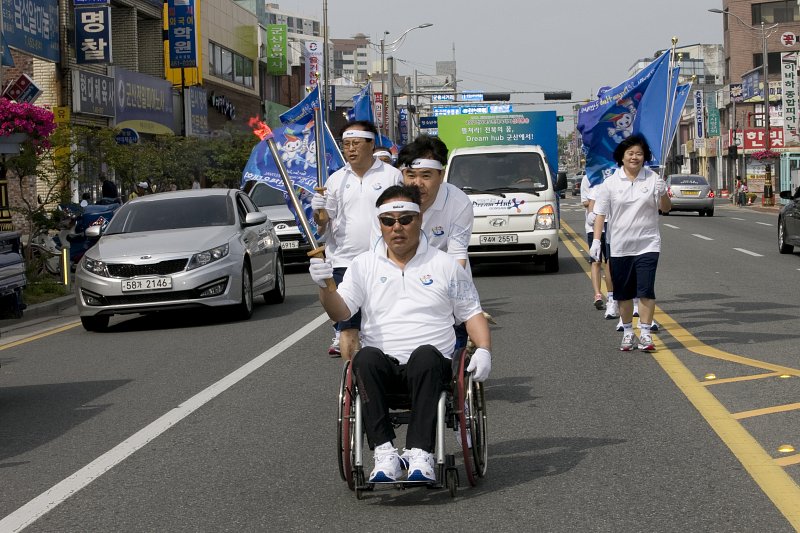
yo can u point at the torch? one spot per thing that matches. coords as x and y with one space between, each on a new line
265 133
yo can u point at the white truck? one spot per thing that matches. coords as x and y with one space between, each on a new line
514 200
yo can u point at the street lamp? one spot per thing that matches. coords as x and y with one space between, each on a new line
393 47
766 31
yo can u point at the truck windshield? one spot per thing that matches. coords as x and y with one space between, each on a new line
499 171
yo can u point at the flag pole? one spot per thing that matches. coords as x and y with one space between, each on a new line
322 215
668 108
316 249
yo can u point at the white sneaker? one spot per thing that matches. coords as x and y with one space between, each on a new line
654 326
420 465
619 325
612 310
646 343
388 467
628 342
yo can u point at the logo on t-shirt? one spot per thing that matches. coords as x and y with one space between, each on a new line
377 186
383 279
437 231
427 279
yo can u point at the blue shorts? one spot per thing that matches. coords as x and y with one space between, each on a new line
604 246
634 276
354 322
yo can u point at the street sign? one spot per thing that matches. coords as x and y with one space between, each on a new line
789 39
127 136
23 90
428 122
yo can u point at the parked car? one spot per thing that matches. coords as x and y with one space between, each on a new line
12 274
271 201
789 222
562 193
207 248
690 192
575 185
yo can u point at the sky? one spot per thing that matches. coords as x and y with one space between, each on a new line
525 45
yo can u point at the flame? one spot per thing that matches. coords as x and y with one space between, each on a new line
260 129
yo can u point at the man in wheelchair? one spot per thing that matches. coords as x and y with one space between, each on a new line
410 294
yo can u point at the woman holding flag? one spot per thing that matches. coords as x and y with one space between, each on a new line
631 199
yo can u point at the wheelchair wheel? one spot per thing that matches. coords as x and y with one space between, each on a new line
464 421
344 430
477 417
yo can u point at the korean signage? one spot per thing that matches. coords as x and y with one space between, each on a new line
92 94
277 61
440 111
790 112
143 103
380 121
182 33
753 138
93 34
699 131
23 90
31 26
751 82
314 60
789 39
196 111
713 117
736 93
402 125
428 122
530 127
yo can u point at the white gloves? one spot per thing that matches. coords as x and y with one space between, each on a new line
594 251
590 218
481 364
320 270
318 202
661 186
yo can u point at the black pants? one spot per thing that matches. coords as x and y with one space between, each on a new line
381 379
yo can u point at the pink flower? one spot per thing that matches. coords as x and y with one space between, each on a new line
36 121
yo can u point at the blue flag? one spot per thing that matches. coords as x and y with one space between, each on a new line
362 105
297 148
607 121
8 60
661 93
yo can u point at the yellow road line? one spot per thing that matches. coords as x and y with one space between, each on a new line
767 411
788 461
765 471
741 378
39 335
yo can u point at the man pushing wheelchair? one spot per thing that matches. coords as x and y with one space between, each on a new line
410 295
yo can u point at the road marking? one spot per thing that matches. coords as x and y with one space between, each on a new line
58 493
38 336
736 218
671 226
767 411
788 461
702 237
748 252
764 224
739 379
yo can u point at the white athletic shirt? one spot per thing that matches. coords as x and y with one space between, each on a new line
402 309
631 208
447 223
351 208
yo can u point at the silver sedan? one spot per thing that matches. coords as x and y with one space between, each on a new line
203 248
690 192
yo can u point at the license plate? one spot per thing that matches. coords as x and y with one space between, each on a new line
290 245
146 284
691 193
498 239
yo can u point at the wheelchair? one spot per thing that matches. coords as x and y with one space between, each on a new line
469 423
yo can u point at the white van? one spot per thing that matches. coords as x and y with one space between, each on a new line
514 200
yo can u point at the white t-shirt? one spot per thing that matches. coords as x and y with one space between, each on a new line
631 208
351 208
447 223
402 309
587 193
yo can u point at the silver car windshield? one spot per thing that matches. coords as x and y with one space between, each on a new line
172 213
264 195
498 172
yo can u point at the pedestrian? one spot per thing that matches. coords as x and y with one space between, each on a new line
142 188
351 220
384 154
108 189
631 199
736 192
86 199
742 193
410 294
588 195
447 213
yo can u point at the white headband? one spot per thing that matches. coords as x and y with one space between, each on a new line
398 205
358 133
427 163
382 153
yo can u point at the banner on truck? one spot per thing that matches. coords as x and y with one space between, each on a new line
529 127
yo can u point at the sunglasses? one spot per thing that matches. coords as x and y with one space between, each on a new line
404 220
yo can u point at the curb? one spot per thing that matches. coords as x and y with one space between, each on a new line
50 308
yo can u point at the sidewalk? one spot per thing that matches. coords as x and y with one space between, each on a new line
63 306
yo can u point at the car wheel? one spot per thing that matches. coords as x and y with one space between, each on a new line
551 263
782 246
245 309
95 323
278 293
710 213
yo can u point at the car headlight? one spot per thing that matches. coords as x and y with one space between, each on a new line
209 256
95 266
545 218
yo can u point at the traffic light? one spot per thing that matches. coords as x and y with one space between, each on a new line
733 151
559 118
558 95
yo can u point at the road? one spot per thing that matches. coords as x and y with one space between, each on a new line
196 423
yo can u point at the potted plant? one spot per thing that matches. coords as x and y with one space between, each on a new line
21 122
766 155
